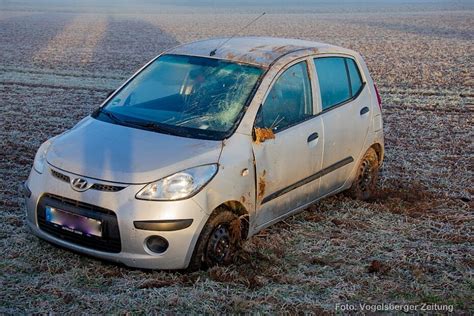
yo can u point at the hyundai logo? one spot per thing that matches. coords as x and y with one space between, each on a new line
79 184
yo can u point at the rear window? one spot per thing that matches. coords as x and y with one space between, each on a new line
339 80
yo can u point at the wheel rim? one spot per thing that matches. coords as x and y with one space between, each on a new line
219 244
365 176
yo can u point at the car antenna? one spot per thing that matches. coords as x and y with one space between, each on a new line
213 52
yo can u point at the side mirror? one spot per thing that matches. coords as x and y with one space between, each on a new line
260 135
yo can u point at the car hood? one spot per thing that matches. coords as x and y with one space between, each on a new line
117 153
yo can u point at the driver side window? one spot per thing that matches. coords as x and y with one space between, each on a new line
289 100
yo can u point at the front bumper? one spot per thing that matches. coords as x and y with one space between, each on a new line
179 222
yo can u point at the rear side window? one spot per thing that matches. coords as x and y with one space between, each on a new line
289 100
354 74
339 80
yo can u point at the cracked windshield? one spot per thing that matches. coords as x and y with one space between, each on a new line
188 92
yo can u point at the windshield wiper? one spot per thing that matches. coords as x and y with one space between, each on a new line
147 125
153 127
112 116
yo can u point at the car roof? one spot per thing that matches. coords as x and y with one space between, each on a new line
260 51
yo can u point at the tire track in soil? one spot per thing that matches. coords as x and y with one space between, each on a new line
21 37
75 44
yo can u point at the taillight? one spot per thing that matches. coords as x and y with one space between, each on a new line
379 99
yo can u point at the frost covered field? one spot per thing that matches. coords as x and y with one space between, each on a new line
412 244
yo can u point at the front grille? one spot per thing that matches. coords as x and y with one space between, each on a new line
110 240
95 186
106 187
60 176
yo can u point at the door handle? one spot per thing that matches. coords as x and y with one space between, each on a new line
312 137
364 110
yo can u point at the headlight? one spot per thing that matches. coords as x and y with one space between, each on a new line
40 157
178 186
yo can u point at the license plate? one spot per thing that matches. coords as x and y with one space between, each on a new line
74 223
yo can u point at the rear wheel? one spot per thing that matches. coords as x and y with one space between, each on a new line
218 241
363 186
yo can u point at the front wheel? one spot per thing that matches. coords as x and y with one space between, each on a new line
364 183
218 242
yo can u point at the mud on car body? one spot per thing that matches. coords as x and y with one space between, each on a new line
196 152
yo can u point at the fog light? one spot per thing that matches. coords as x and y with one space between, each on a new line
157 244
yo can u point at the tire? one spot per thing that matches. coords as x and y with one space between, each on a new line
218 241
365 181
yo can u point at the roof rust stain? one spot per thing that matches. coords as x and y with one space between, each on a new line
262 51
282 49
230 56
265 54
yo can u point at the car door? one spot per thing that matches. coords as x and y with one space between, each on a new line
288 146
345 111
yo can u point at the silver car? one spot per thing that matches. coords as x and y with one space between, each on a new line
207 144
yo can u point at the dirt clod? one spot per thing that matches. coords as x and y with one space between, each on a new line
155 283
377 266
261 184
262 134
